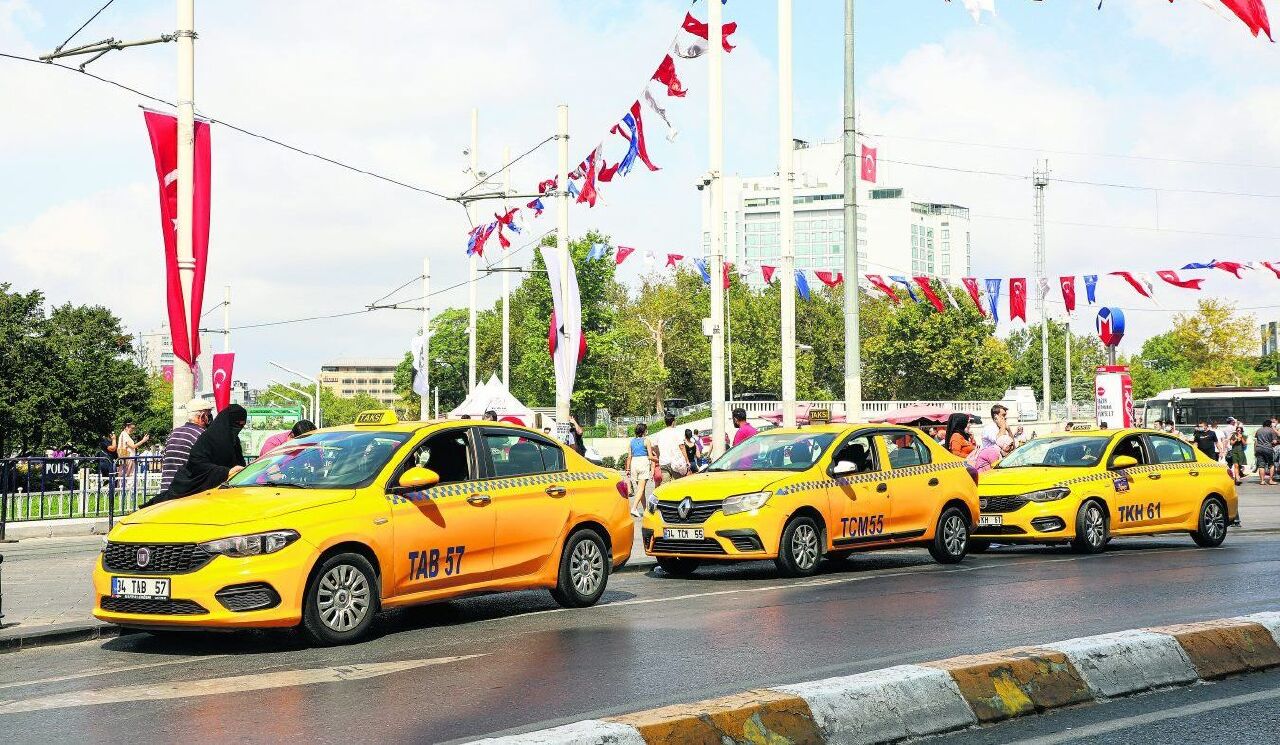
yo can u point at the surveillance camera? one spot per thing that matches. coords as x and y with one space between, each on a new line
466 151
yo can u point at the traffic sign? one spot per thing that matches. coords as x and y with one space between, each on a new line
1110 326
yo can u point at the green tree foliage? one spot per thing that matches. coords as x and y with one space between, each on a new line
1086 354
334 409
1211 346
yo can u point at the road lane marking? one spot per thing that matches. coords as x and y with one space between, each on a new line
1179 712
220 686
109 671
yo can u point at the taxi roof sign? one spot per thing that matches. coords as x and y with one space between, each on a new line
376 417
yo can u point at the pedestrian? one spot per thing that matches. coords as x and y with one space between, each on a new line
177 446
490 415
672 460
939 434
639 468
745 430
691 450
1069 426
300 428
215 457
546 430
1206 440
127 451
1265 442
1224 433
999 425
985 459
574 438
1236 458
958 440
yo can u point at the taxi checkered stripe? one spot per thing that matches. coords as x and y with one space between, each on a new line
471 487
1134 470
863 478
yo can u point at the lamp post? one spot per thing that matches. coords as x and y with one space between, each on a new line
311 402
315 414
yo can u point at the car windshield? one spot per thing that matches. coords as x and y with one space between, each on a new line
1066 452
324 460
790 451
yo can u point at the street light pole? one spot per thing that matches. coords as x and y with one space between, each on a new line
316 413
471 264
424 359
226 318
1041 180
786 215
715 121
183 378
562 247
506 279
310 399
852 340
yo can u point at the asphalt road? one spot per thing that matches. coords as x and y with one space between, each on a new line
654 640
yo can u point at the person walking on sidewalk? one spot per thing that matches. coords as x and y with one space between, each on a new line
127 451
1206 440
1265 442
177 447
673 462
640 462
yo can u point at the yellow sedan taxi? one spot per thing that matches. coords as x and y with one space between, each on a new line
1083 487
797 495
329 528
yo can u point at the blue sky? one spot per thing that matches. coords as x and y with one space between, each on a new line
392 89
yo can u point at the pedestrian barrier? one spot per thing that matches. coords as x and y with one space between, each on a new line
56 488
932 698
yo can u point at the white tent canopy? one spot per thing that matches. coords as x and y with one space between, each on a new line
492 395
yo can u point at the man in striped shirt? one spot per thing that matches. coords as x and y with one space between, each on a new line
177 448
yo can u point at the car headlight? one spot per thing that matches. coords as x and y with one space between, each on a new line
238 546
1047 495
745 502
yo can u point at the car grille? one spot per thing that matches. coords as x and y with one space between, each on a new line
255 596
982 530
152 607
697 514
673 546
166 558
1002 504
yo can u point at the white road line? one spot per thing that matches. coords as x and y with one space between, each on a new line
1179 712
109 671
218 686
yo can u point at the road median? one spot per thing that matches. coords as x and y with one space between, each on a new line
907 701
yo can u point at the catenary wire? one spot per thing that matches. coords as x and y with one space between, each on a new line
82 26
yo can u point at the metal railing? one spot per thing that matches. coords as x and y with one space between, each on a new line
63 488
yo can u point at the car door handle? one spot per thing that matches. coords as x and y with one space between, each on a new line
882 487
933 482
1193 473
556 491
1153 476
479 500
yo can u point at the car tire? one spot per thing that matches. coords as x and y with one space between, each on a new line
584 570
978 545
678 567
839 555
1212 527
950 541
341 600
1091 529
800 547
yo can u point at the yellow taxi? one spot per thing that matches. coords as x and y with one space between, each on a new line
1083 487
329 528
797 495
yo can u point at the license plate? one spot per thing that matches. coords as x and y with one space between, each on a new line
682 534
140 588
992 520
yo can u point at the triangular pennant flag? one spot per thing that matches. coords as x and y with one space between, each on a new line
672 132
830 279
802 284
929 294
903 281
548 185
666 74
622 253
702 267
725 268
1091 288
1068 292
1230 266
673 258
634 135
1143 288
702 30
536 206
1173 279
946 290
598 251
993 298
767 272
1272 266
971 285
1018 298
878 282
1199 265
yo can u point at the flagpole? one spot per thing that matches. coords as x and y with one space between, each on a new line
471 264
1041 180
786 214
1066 327
506 279
716 146
424 359
562 247
183 378
852 339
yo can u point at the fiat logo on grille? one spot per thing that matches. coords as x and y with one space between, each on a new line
144 556
685 507
982 503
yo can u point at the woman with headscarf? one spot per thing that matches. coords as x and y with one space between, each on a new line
957 438
215 456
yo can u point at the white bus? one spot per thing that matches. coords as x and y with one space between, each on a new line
1186 407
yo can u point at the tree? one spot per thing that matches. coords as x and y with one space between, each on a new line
1202 349
1086 354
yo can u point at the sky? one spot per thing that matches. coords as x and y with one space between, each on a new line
1172 98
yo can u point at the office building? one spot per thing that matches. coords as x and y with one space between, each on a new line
372 375
1270 337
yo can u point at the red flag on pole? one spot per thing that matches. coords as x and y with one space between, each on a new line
768 271
868 164
163 130
1068 292
167 372
223 363
724 269
1018 298
830 279
1173 279
673 258
929 294
971 284
622 254
666 74
878 282
1253 13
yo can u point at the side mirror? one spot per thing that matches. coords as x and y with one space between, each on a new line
1124 461
418 478
844 468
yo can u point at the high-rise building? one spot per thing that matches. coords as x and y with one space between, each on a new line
896 234
1270 337
372 375
155 352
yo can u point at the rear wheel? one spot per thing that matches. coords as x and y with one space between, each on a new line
977 545
801 547
951 539
1213 524
1091 529
678 567
584 570
838 555
341 600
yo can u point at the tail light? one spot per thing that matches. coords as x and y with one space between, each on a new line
623 490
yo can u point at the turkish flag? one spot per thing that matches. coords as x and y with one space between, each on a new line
703 30
878 282
163 130
1230 266
724 270
868 164
666 74
1141 287
223 362
1018 298
929 294
1068 292
167 372
1252 12
622 254
768 271
971 284
1173 279
1272 266
673 258
830 279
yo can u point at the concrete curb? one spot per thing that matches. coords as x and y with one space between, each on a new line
910 701
63 633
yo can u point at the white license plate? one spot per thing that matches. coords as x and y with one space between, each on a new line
990 520
140 588
682 534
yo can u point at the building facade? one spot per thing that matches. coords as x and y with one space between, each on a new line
155 353
1270 337
372 375
896 234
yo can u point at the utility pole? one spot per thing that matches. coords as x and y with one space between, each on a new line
1066 328
471 282
715 122
1040 180
786 214
506 279
852 340
562 246
226 318
424 358
183 378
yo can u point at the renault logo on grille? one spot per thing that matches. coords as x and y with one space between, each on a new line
685 507
144 556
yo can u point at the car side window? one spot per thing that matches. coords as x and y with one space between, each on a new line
1131 446
859 450
906 450
1169 450
552 456
447 453
516 455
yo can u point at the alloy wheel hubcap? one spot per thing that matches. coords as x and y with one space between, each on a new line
1093 526
1214 522
343 598
586 567
954 535
804 546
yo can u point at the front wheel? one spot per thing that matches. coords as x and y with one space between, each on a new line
801 548
951 539
1213 524
584 570
978 546
1091 529
341 600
